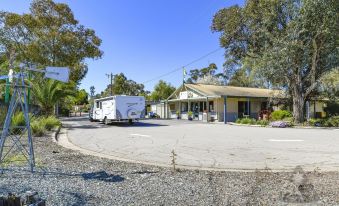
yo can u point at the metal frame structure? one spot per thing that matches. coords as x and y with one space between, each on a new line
19 99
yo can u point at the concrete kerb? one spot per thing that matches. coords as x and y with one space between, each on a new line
61 138
293 127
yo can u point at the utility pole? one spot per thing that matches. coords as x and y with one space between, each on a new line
184 73
111 77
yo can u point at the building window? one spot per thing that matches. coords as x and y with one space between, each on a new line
184 107
244 108
172 107
201 106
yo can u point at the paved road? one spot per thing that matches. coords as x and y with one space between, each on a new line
209 145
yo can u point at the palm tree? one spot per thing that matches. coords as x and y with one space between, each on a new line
48 92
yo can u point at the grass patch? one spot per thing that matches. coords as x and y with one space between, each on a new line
14 159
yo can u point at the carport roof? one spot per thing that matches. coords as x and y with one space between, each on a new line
216 90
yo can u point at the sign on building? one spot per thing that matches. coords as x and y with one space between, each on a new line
186 95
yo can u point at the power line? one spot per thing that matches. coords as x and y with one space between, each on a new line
180 68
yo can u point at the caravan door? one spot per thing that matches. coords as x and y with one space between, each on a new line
97 111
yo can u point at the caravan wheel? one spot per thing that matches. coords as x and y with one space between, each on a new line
106 122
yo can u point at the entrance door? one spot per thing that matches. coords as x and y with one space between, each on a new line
195 109
97 113
244 109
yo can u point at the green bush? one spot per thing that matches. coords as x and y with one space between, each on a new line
332 108
288 119
331 122
247 121
315 122
3 113
262 122
280 114
38 127
238 121
50 122
18 120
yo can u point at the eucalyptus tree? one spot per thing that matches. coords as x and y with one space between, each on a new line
123 85
49 35
92 91
206 75
292 43
162 90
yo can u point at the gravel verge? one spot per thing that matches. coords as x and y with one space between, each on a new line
67 177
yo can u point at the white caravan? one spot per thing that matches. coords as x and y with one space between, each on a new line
118 108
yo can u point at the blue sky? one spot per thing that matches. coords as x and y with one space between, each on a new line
145 38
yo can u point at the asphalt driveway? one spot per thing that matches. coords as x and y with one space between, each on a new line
202 145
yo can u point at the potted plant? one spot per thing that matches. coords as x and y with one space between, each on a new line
190 115
178 114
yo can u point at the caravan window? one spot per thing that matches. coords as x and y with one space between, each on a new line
98 104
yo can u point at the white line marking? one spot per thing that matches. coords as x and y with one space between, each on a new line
140 135
286 140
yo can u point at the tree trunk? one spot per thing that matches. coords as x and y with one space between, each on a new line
298 106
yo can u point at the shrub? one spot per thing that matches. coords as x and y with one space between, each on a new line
280 114
18 119
64 111
288 119
247 121
238 121
315 122
38 127
332 108
332 122
50 122
190 113
262 122
3 113
329 122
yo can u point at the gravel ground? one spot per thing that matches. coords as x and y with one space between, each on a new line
67 177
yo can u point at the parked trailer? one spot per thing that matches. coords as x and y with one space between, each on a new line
118 109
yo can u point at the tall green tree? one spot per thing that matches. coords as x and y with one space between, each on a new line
49 35
206 75
81 97
329 86
92 91
293 43
122 85
162 90
245 77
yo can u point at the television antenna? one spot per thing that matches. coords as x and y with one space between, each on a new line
16 134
